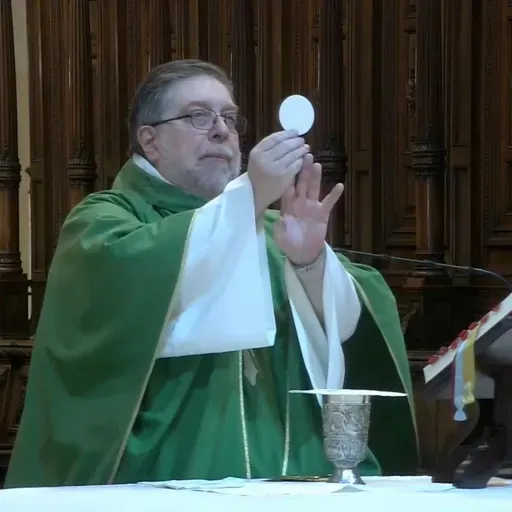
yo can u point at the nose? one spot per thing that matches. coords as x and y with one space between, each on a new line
219 130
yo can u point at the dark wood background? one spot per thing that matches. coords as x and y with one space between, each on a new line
414 114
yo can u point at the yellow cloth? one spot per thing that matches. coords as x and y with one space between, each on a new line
469 367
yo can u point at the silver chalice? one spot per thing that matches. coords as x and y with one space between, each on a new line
346 423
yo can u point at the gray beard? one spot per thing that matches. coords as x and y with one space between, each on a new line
208 185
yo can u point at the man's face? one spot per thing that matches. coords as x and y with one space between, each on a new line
200 161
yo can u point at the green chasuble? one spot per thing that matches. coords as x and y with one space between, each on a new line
101 407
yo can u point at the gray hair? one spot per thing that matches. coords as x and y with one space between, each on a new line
148 102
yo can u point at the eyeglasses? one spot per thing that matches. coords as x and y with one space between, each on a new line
205 119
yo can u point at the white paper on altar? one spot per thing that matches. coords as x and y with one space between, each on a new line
224 294
199 485
255 488
263 487
349 392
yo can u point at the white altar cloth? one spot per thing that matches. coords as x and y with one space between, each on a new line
397 494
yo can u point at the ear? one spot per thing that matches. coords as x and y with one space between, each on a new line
147 141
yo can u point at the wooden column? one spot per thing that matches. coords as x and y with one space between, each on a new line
243 70
13 284
80 131
269 69
428 158
213 19
432 286
131 64
330 113
160 32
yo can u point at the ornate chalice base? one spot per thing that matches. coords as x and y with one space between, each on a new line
346 423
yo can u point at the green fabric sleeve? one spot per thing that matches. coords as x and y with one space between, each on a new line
107 296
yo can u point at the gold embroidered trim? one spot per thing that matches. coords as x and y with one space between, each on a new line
245 440
245 437
286 455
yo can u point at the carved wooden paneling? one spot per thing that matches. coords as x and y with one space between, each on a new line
14 363
361 91
108 144
495 118
13 282
268 69
428 155
460 89
161 35
329 134
10 261
402 88
243 66
40 201
81 165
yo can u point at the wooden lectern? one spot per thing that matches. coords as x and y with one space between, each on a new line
473 467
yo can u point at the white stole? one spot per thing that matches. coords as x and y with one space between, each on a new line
321 348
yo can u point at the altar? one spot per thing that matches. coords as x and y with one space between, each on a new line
400 493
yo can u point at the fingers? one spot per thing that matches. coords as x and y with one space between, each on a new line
310 179
276 138
280 153
291 157
287 198
294 168
284 147
315 181
332 198
304 176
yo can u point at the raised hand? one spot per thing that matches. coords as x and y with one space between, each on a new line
302 226
273 164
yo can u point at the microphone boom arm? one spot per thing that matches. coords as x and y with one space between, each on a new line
429 263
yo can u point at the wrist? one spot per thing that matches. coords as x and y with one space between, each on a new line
259 210
309 263
260 207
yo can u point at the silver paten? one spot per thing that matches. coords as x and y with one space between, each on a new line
346 423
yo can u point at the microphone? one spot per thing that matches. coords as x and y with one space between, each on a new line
431 264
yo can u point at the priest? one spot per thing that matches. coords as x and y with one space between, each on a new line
179 312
